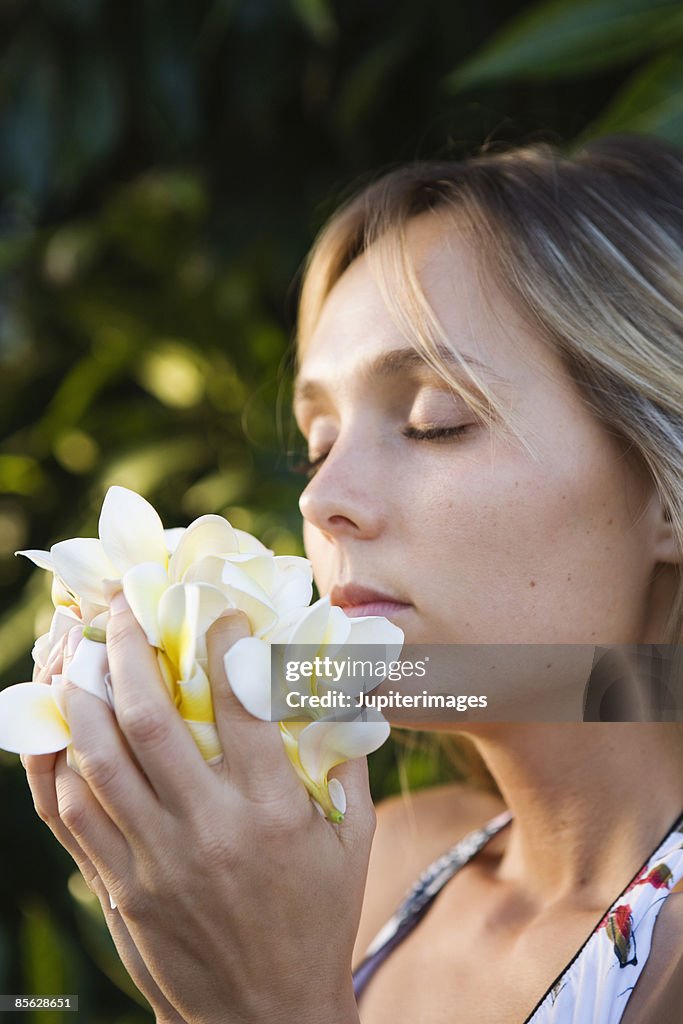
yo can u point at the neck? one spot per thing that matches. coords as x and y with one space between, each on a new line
590 802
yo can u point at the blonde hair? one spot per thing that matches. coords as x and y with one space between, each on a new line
588 247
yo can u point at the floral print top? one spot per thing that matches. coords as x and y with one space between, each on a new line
596 984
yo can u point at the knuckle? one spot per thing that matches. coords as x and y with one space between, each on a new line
130 900
121 631
97 768
43 813
74 816
144 723
279 819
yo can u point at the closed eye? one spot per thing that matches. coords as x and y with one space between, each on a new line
434 433
308 467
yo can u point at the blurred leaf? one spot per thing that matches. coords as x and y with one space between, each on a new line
567 38
171 99
171 372
79 12
29 118
19 474
652 103
368 82
144 468
97 938
17 629
92 119
318 18
77 391
47 961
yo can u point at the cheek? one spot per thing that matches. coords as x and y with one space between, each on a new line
535 552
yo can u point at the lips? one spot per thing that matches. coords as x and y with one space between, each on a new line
356 601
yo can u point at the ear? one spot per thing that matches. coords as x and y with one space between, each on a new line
666 546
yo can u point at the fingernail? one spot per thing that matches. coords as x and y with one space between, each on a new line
118 604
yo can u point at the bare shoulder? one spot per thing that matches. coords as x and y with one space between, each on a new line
658 995
412 831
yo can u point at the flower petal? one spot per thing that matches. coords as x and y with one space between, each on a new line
247 666
313 628
88 667
63 620
195 697
83 565
90 610
208 535
249 544
205 736
177 622
260 568
322 745
131 530
43 559
143 587
42 650
30 722
172 537
375 629
293 584
61 597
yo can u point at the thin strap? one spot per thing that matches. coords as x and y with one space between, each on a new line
421 896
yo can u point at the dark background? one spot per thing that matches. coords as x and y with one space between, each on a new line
164 168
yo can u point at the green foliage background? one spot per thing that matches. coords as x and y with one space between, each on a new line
163 170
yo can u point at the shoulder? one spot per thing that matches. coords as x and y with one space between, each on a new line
412 831
658 995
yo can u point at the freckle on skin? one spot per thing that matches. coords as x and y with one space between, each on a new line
569 577
609 522
533 583
550 665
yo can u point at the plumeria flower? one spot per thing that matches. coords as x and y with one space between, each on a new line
259 679
177 583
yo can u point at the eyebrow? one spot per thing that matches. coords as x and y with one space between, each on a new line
394 363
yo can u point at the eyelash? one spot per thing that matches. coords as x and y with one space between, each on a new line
308 467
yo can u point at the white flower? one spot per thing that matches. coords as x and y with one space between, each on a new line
177 583
259 679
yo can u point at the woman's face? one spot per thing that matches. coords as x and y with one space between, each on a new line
470 539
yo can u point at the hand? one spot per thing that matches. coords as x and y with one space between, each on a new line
48 796
242 900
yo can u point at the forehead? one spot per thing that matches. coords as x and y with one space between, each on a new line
356 329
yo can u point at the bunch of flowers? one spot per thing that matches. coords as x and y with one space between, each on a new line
177 583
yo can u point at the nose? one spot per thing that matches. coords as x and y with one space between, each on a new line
344 498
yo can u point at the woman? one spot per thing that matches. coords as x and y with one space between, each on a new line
490 381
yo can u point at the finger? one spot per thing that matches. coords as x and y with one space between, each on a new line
41 776
157 735
89 826
256 761
106 765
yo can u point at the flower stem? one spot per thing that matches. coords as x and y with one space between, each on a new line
93 633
